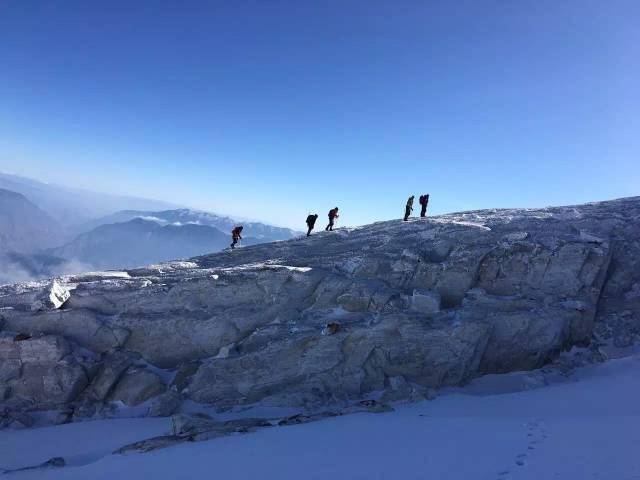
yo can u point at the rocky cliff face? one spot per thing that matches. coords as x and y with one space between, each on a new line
392 307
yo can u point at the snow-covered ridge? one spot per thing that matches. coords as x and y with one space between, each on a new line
392 310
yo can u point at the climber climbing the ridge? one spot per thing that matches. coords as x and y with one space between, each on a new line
409 208
311 222
424 201
236 234
333 215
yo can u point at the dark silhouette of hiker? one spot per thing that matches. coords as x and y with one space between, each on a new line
333 214
311 222
409 208
424 201
236 234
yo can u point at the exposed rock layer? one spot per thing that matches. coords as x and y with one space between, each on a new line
415 305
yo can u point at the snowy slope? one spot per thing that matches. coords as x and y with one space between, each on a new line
585 428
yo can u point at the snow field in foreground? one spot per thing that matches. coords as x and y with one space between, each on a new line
587 428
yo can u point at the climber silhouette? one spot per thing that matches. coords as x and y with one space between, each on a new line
236 234
311 222
424 201
408 208
333 215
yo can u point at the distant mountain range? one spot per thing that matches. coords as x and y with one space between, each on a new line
138 242
50 230
24 227
74 206
185 216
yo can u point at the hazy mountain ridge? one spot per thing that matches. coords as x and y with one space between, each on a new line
130 238
50 230
72 206
24 227
141 241
185 216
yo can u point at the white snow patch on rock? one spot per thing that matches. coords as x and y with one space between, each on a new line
110 274
57 295
266 266
472 224
292 269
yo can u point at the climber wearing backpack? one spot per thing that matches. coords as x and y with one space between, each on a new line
333 215
311 222
236 235
409 208
424 201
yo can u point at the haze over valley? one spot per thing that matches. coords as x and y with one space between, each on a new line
48 230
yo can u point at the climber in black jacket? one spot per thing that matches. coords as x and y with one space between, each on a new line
424 201
311 222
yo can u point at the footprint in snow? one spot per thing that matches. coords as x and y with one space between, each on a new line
536 433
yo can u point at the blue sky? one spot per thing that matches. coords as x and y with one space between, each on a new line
272 109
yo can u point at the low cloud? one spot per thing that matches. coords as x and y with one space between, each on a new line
14 274
153 219
27 269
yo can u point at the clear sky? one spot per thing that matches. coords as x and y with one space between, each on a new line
272 109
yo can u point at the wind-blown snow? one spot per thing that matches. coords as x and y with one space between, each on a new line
585 428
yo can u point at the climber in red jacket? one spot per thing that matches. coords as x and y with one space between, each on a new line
333 214
236 235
